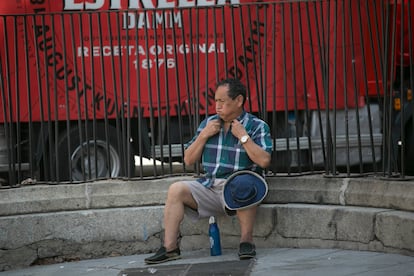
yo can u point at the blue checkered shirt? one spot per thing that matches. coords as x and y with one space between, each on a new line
223 153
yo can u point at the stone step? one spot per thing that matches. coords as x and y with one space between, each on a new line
316 189
98 233
110 218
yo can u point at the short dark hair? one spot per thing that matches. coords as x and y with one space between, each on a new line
235 86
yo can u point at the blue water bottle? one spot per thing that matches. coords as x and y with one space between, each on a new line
214 234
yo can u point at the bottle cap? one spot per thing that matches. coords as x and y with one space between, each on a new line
212 220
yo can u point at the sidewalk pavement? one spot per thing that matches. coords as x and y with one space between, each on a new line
276 261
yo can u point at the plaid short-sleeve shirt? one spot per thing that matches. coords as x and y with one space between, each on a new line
223 153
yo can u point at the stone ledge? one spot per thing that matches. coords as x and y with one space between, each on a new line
115 217
367 192
134 230
316 189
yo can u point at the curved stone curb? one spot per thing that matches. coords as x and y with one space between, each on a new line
110 218
367 192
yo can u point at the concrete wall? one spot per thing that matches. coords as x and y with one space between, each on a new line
45 223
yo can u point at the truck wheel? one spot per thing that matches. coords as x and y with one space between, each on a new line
105 158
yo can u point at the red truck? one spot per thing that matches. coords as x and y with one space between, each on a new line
87 85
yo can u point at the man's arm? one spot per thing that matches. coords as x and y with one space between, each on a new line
193 153
256 153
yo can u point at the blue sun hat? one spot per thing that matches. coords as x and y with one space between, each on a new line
244 189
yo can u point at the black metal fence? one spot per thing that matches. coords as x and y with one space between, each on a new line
86 95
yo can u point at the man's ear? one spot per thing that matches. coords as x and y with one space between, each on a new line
240 100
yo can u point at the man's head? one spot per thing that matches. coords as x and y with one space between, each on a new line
230 98
235 88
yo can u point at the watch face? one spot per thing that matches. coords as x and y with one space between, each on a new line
244 139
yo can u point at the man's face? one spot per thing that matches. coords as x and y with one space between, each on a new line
227 108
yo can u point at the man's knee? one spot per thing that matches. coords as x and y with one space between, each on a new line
248 213
179 190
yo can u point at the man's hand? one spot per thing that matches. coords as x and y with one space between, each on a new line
254 151
237 129
193 153
212 128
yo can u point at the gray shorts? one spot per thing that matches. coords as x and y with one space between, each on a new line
209 200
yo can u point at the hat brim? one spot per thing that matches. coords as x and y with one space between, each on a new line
255 179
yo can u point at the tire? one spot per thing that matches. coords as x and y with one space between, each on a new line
106 158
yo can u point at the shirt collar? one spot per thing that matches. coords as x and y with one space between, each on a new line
241 117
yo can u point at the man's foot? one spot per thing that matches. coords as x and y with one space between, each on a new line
163 256
247 251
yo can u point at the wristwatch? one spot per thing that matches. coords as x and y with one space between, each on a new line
244 139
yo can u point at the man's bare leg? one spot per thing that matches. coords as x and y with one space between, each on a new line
247 219
179 196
